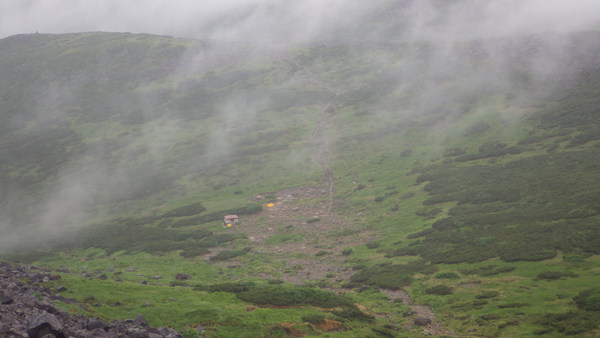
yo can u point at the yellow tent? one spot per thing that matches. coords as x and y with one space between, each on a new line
270 205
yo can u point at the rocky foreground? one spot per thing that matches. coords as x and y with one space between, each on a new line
26 310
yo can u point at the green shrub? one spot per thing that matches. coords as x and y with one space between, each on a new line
439 290
511 305
288 296
347 252
447 275
313 318
487 294
380 198
554 275
496 271
588 300
502 207
190 333
391 277
322 253
313 220
491 316
373 245
227 287
193 252
216 240
229 254
570 323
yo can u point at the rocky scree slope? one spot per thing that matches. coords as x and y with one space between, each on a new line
27 310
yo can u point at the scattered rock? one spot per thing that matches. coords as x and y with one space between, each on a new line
27 311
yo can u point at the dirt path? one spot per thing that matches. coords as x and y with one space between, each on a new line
434 328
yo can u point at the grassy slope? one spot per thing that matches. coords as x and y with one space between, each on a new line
388 166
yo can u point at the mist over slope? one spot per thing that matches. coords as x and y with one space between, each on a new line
94 119
400 140
280 23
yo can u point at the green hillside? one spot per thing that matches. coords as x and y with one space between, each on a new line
449 184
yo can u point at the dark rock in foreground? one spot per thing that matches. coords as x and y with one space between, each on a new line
26 311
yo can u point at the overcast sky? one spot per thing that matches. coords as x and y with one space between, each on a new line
289 20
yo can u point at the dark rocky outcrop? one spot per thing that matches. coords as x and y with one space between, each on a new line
26 311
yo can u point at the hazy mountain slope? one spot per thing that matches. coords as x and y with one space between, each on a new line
467 164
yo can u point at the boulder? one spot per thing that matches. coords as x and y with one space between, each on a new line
45 324
5 299
96 324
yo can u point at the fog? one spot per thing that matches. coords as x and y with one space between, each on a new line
302 21
268 29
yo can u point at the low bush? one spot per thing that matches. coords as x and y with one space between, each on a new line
373 245
487 294
322 253
393 277
313 318
588 300
491 316
440 290
511 305
554 275
226 287
447 275
293 296
216 240
229 254
193 252
502 206
570 323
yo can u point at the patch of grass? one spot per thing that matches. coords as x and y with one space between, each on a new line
278 239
